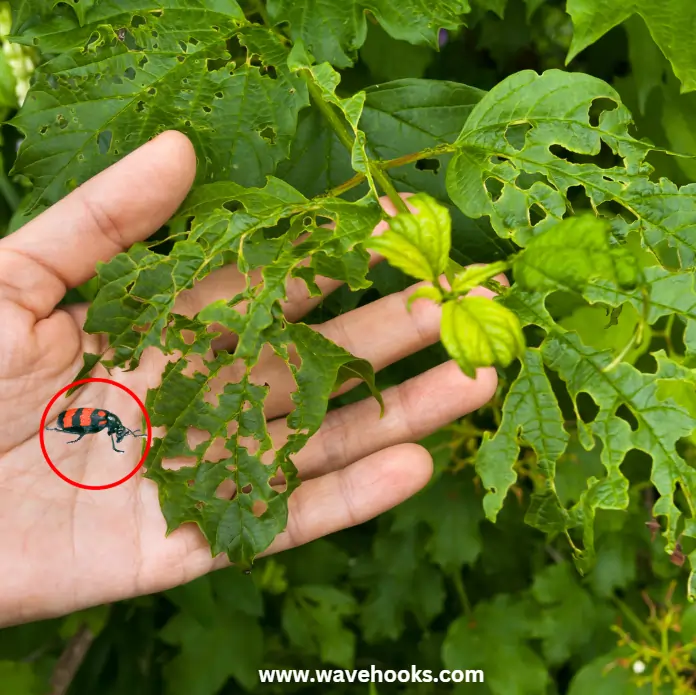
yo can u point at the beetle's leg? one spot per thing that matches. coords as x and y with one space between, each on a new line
113 444
54 429
76 440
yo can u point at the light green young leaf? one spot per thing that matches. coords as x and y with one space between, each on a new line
478 332
428 292
531 416
418 243
334 31
670 22
572 255
476 275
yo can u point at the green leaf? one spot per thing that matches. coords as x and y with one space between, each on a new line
532 417
313 618
572 255
495 640
399 581
522 137
475 276
211 654
451 509
604 676
102 97
478 332
398 118
333 32
417 243
670 23
569 614
134 308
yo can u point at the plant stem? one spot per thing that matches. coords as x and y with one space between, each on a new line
347 141
636 622
390 164
461 592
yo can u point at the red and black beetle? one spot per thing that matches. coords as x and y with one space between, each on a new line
84 421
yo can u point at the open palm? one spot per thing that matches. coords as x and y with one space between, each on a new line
64 548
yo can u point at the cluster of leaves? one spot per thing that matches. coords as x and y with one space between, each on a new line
538 173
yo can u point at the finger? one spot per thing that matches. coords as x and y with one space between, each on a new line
413 410
354 495
382 332
125 203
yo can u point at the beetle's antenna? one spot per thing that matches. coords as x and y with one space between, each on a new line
135 433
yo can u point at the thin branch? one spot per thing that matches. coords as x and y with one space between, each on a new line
70 660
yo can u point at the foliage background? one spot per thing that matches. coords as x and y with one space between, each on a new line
432 583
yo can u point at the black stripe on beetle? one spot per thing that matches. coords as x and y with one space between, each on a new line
82 421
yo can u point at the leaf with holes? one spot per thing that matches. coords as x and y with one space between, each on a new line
522 137
334 31
131 72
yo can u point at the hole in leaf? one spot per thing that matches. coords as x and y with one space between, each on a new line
268 134
247 489
140 107
43 130
129 73
494 188
182 45
138 21
428 165
218 95
259 508
193 41
181 59
560 152
271 72
152 91
62 121
155 34
215 27
612 208
536 214
625 414
104 141
176 464
143 62
515 135
525 180
207 109
225 489
232 205
213 64
598 107
216 451
156 13
578 199
587 408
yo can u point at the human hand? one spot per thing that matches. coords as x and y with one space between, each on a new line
63 548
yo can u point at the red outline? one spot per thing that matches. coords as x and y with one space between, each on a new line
65 477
